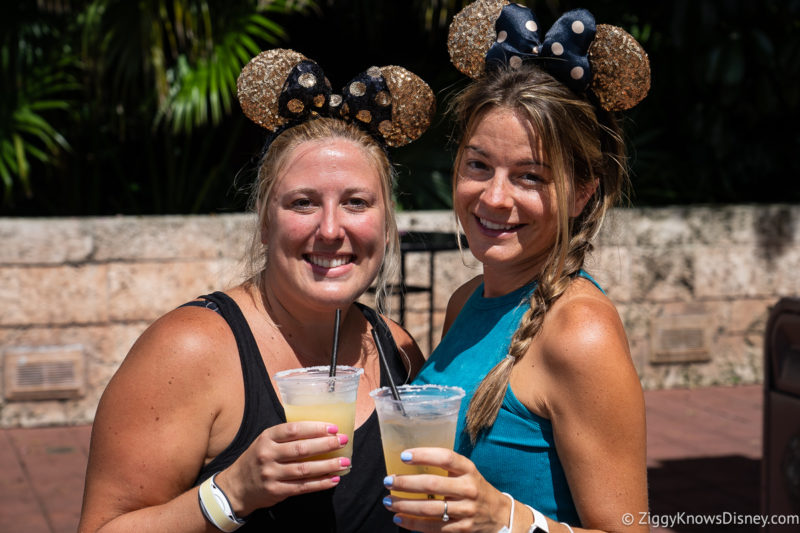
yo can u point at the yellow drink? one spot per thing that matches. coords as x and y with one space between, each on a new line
404 433
312 394
342 414
425 416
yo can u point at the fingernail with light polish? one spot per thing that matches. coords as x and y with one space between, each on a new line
388 481
387 501
405 457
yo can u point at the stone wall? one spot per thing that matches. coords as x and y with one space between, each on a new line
694 287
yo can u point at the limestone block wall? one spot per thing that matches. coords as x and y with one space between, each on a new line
693 285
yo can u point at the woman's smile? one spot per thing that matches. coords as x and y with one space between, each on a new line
497 228
328 264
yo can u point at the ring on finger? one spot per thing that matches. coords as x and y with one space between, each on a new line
445 516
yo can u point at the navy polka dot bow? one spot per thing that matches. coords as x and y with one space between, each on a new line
563 53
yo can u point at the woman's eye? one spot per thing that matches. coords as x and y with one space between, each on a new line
477 165
301 204
357 203
531 178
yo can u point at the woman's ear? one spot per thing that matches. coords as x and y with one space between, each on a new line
582 196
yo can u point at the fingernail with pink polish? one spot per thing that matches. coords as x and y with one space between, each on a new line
344 461
335 479
343 439
333 430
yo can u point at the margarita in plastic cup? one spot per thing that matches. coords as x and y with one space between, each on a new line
425 416
311 394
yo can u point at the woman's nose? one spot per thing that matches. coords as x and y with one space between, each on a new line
496 192
330 227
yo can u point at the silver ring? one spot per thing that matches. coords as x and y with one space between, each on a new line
445 516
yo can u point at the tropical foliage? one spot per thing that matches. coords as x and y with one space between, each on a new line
37 85
150 88
128 106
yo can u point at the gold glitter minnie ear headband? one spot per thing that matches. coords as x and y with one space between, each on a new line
280 88
601 59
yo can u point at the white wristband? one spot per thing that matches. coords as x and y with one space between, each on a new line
539 521
216 507
567 526
507 529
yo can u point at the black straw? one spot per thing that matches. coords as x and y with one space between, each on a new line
385 364
335 349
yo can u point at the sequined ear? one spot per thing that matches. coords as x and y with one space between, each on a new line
413 106
471 35
621 69
390 102
261 83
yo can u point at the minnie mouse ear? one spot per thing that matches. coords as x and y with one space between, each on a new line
621 69
413 106
471 35
391 103
260 85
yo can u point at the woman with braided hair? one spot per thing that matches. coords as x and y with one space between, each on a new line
554 425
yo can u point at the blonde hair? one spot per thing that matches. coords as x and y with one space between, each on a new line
273 161
584 145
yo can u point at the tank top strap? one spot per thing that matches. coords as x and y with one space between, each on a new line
394 356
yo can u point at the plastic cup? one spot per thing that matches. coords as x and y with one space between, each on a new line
425 416
311 394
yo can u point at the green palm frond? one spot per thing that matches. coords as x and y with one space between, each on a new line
202 89
38 88
188 52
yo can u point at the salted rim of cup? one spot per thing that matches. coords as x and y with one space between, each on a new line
307 371
430 386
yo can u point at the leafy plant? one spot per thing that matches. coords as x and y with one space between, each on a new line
187 54
37 85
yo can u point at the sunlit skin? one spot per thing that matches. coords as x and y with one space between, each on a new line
326 229
505 200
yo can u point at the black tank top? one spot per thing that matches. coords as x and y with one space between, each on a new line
355 504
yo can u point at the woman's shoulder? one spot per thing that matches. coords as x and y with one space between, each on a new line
582 346
582 325
186 342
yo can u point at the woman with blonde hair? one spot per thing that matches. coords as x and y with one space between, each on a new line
190 434
551 436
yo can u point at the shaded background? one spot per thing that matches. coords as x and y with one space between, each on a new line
128 107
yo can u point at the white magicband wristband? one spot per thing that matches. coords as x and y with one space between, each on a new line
539 521
216 507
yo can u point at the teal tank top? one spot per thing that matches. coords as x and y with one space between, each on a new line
517 454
